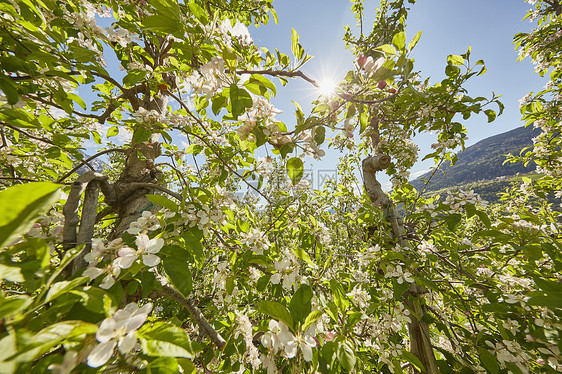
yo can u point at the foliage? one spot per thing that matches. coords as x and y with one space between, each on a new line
171 272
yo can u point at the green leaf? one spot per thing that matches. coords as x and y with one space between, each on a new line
13 304
198 12
141 135
60 288
413 360
415 40
166 340
296 48
161 24
497 235
240 99
491 115
11 273
295 169
18 117
399 288
187 366
51 336
300 305
455 60
163 201
453 220
180 275
163 365
112 131
489 361
338 295
387 49
22 204
319 134
77 99
9 348
550 301
263 81
277 311
10 90
311 319
399 40
346 355
301 253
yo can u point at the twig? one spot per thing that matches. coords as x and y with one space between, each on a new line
188 304
83 162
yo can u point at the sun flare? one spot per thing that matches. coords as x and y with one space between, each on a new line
327 86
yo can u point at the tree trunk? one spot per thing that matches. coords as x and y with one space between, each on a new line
420 343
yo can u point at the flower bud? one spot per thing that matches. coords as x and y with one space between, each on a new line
361 60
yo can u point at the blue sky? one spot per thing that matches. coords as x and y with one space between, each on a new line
449 27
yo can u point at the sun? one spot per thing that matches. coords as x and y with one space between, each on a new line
327 87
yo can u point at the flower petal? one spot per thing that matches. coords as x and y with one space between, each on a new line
141 241
106 330
135 322
150 260
125 262
92 272
306 351
101 353
107 282
291 349
127 342
155 245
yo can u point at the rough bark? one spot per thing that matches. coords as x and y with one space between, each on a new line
420 343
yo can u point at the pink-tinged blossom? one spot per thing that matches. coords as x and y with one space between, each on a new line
118 331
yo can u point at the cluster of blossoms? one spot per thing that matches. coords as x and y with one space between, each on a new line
244 328
147 222
509 351
368 64
389 353
426 112
458 199
88 29
287 269
146 248
360 297
256 241
224 32
202 217
142 115
264 166
445 145
209 78
398 273
121 36
280 339
118 331
309 145
263 113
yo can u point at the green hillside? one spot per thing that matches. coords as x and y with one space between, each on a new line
482 164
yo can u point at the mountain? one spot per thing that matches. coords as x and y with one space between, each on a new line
483 161
98 165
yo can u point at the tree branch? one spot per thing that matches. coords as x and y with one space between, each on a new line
84 162
191 307
135 185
